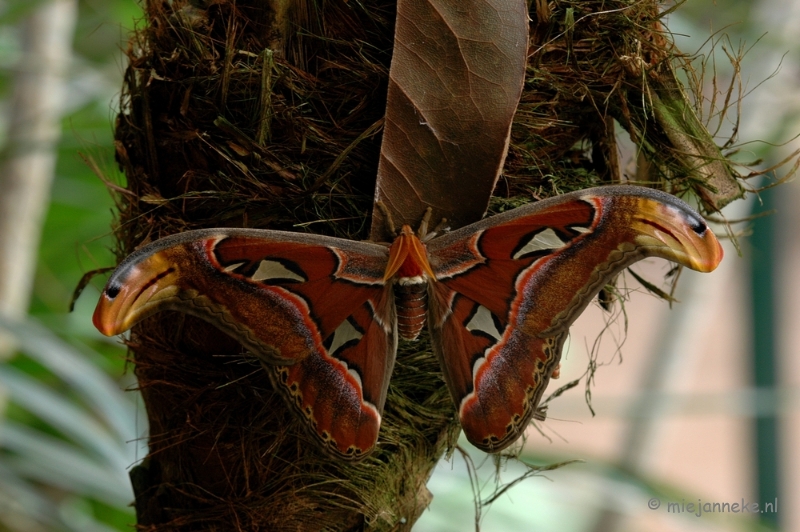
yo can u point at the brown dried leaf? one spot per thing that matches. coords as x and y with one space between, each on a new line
454 83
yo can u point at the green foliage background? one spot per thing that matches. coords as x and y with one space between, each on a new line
76 238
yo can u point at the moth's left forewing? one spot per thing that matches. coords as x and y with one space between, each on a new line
331 276
315 310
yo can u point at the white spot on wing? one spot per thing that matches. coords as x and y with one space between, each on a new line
579 229
475 368
343 334
232 267
477 365
547 239
353 373
270 269
482 321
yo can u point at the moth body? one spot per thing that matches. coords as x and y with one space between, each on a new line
410 272
411 302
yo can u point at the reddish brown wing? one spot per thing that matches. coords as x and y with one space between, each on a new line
340 387
316 282
316 306
510 286
341 390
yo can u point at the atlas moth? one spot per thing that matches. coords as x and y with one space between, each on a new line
324 314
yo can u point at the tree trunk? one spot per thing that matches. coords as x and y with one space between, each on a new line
243 113
228 121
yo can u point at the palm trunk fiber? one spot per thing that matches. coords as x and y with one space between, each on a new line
226 121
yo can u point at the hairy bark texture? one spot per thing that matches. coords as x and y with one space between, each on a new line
230 119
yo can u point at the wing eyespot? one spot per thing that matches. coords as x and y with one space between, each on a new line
113 290
698 225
